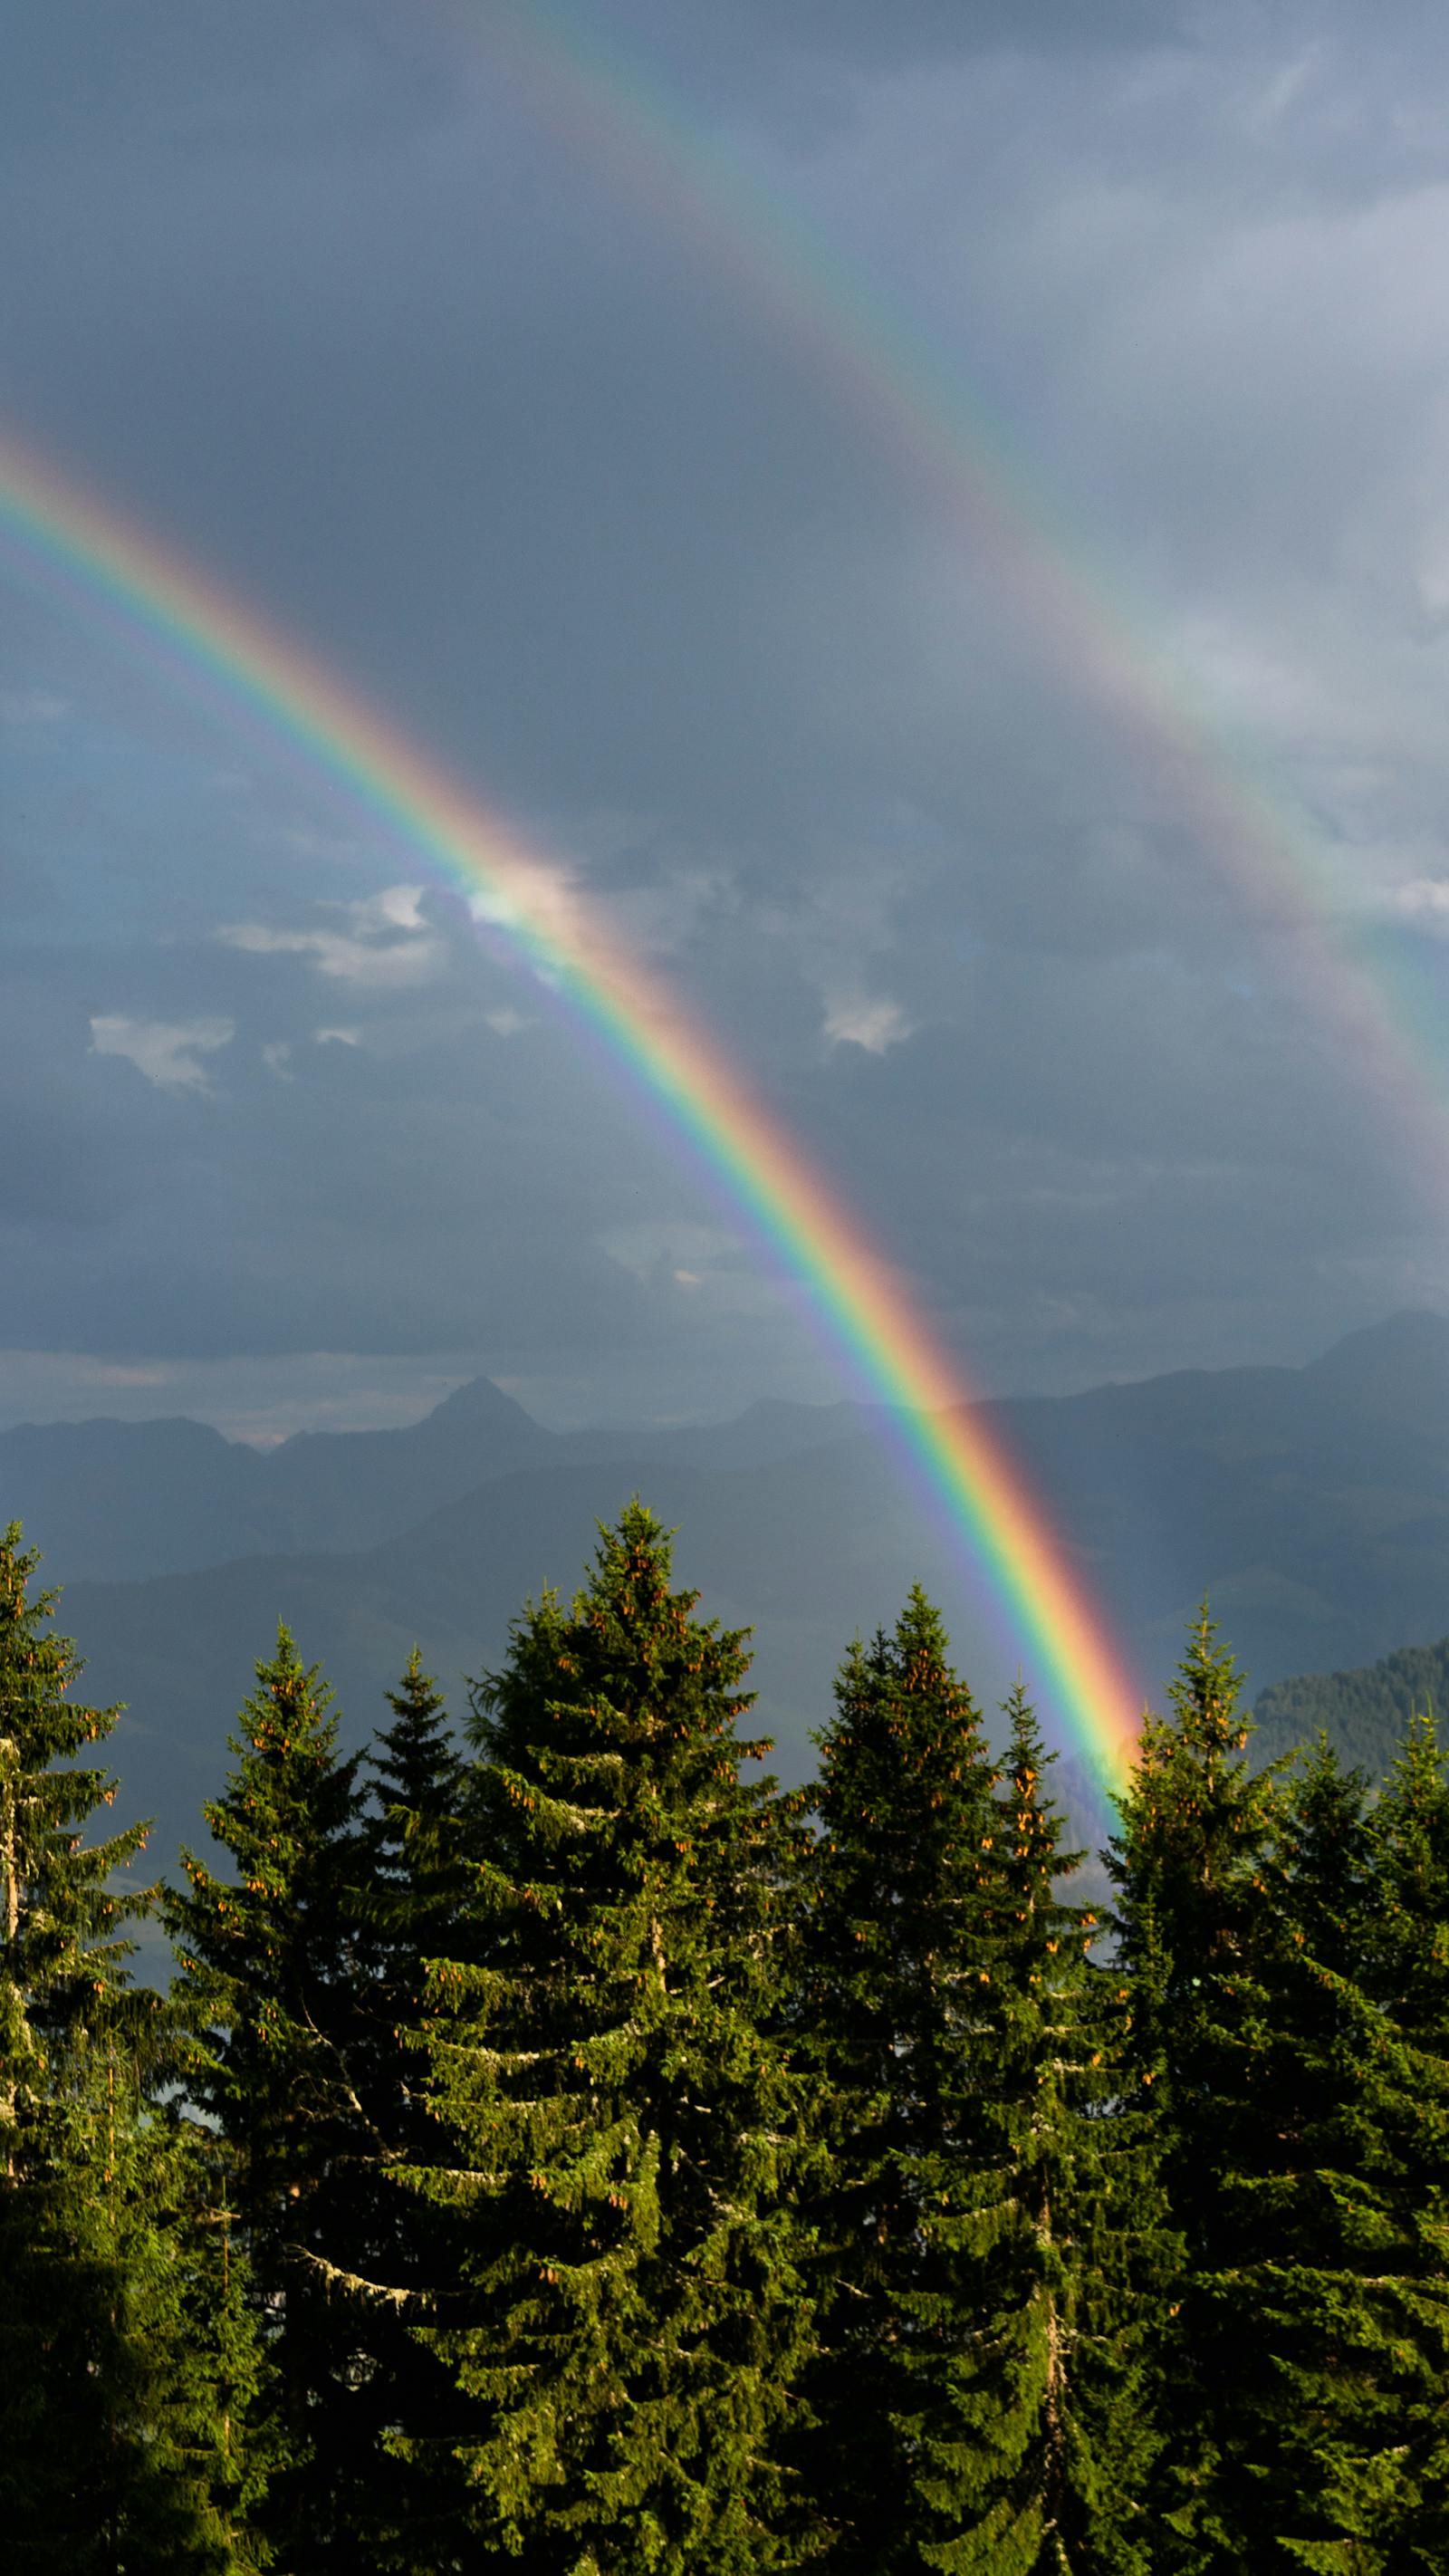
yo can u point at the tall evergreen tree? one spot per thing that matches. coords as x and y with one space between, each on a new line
626 2126
1408 1837
1190 1863
389 2252
1314 2332
63 1921
109 2448
991 2214
1328 2307
897 1936
271 1966
1036 2409
1353 2302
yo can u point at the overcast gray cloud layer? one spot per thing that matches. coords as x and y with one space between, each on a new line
423 347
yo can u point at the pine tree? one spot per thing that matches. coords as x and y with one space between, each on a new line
1395 2483
271 1965
625 2124
391 2252
1328 2303
1193 1921
1409 1860
1034 2421
1314 2326
1190 1865
897 1935
194 2319
108 2448
62 1920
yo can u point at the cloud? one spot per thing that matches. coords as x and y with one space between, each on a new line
1424 901
337 1037
32 707
396 907
649 579
168 1052
386 943
861 1021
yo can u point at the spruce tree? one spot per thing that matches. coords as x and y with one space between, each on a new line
1034 2416
109 2451
1408 1835
271 1966
1313 2328
991 2223
1190 1865
1328 2303
1193 1920
626 2127
897 1936
194 2319
63 1921
390 2252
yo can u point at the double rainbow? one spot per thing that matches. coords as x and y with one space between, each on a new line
855 1295
1290 879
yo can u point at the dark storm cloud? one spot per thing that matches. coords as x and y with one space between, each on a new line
280 1164
206 76
339 300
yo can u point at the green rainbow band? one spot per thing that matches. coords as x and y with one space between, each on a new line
545 917
930 419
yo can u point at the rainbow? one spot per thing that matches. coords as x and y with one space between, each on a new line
927 417
543 916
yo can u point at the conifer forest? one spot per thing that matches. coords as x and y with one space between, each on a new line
560 2150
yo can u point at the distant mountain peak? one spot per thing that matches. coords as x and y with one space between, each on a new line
1413 1342
479 1400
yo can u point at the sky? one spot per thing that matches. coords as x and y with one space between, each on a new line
569 447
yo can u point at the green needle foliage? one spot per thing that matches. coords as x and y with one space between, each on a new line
897 1932
62 1922
560 2155
1339 2293
405 2508
1307 2140
271 1968
110 2450
1037 2439
1191 1865
626 2126
990 2222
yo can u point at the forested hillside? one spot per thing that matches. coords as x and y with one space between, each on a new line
560 2149
1364 1713
1311 1504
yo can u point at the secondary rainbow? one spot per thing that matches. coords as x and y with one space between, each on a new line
1297 887
545 917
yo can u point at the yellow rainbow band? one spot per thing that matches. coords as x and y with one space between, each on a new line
1290 880
546 920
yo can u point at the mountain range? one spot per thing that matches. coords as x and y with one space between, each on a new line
1311 1504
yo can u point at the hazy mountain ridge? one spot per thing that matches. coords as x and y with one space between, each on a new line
1311 1504
1364 1713
121 1501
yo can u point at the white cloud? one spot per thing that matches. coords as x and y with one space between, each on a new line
337 1037
278 1059
32 707
168 1052
506 1022
386 941
398 907
865 1022
1424 900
